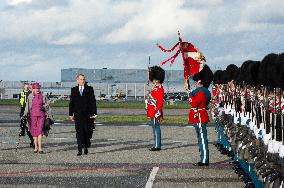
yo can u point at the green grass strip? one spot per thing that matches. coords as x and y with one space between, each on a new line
131 119
103 104
115 119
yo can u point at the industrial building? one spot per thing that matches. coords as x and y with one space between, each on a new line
117 75
132 83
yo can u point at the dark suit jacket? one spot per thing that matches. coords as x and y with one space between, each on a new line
82 105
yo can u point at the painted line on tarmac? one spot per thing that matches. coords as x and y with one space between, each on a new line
177 141
152 176
111 139
71 170
217 165
62 138
143 125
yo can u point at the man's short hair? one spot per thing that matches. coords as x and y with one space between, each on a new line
26 83
80 75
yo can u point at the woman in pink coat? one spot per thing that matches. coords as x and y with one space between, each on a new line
37 108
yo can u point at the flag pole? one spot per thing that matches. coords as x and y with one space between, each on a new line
186 82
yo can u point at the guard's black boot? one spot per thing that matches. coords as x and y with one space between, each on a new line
224 151
154 149
201 164
230 154
250 185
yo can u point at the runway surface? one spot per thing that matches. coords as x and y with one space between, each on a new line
118 157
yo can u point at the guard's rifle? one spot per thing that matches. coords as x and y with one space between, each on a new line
235 99
231 94
282 117
255 104
226 89
279 117
147 92
256 107
246 101
267 111
261 104
250 102
219 98
238 101
273 122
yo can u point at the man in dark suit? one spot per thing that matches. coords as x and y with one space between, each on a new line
83 110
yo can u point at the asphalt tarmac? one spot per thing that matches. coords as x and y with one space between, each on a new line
118 157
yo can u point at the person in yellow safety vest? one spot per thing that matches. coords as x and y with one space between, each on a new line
23 96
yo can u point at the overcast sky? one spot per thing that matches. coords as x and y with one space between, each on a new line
40 37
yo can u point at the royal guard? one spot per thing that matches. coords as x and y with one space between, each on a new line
216 88
198 116
154 104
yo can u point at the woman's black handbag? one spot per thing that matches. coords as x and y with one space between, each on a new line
46 126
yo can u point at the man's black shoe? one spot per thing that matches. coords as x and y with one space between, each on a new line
201 164
154 149
79 152
86 151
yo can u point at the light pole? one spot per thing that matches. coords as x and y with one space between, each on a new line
1 89
57 85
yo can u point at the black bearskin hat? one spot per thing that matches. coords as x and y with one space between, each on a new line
266 70
243 76
217 77
280 80
223 77
252 73
231 73
205 76
156 73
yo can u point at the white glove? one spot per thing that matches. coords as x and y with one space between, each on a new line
157 114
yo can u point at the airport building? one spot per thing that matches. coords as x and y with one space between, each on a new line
117 75
132 83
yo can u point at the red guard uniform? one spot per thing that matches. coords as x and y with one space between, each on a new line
155 102
199 100
215 91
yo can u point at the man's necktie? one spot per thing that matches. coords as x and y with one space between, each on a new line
81 91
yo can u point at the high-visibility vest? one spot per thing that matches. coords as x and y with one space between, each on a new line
23 98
